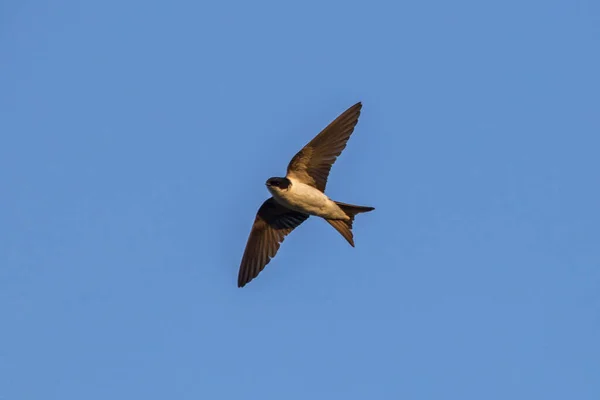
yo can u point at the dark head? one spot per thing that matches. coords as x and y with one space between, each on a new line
281 183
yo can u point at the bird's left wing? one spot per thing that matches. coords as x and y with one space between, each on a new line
272 224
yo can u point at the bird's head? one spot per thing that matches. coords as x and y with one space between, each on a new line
278 185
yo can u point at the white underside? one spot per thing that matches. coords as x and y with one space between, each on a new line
307 199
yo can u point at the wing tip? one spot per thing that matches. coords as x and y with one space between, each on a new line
242 281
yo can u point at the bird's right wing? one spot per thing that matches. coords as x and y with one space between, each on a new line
272 224
312 164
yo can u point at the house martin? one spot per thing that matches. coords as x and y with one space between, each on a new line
299 195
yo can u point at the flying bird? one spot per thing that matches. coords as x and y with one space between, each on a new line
300 194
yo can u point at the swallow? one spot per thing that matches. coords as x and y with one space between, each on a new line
300 194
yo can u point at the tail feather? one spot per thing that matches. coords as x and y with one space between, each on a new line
344 227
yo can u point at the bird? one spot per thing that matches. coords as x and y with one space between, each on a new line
301 194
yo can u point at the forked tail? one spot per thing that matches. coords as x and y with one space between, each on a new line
345 227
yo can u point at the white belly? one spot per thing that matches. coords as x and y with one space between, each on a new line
304 198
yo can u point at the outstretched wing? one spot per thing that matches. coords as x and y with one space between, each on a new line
272 224
312 164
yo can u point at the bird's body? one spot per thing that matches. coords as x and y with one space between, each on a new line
308 200
300 194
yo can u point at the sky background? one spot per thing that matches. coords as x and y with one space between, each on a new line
135 140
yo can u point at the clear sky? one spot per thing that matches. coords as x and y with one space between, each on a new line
135 140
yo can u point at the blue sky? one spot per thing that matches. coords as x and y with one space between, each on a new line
135 141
